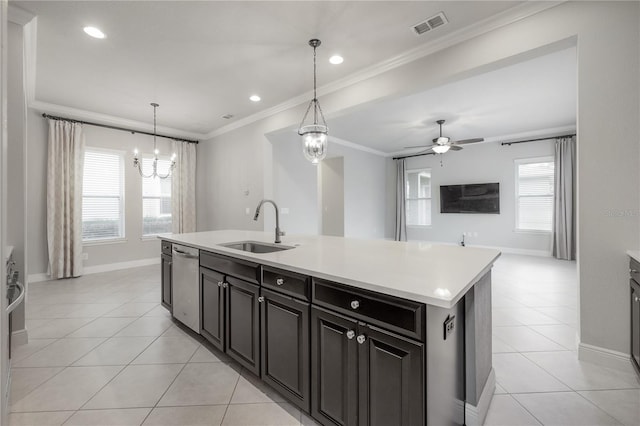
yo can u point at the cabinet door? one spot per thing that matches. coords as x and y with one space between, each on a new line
635 324
334 371
242 323
391 379
166 281
285 346
212 307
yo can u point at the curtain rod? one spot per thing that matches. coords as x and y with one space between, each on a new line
538 139
124 129
502 143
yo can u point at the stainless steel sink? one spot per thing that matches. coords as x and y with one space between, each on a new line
256 246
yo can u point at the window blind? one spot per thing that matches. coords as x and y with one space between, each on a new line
156 199
418 201
535 196
102 201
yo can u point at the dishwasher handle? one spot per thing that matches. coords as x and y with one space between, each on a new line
185 254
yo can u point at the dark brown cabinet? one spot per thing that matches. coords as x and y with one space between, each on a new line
285 346
165 278
230 317
363 375
635 325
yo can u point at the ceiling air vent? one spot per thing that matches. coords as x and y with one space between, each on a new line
430 24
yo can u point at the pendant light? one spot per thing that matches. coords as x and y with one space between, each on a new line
137 162
314 136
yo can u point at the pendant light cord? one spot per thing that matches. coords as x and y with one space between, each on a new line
315 96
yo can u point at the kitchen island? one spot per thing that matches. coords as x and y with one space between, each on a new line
351 331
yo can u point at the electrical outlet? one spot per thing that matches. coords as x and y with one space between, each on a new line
247 210
449 325
85 256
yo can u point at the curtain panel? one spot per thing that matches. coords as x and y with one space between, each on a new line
65 163
564 214
183 189
401 214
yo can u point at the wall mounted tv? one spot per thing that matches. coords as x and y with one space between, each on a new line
470 198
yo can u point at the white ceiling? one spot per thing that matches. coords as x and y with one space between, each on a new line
200 60
536 97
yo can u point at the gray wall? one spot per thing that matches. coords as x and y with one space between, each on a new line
133 248
605 33
478 163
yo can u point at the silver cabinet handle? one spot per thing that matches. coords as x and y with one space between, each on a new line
361 338
220 283
261 299
355 304
636 299
225 285
279 281
633 271
351 334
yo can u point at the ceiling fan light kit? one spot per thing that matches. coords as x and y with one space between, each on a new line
443 144
315 137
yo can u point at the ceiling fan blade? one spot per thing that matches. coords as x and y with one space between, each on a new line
464 141
418 146
455 148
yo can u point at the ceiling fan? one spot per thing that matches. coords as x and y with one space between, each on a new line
442 144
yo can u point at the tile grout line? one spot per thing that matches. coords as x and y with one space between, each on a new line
231 397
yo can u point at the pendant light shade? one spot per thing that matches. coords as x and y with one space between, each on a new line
314 136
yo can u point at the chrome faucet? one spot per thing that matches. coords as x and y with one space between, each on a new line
278 232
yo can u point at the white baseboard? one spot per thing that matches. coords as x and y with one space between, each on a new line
103 268
604 357
510 250
20 337
475 415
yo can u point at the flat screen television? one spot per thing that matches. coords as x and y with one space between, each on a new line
470 198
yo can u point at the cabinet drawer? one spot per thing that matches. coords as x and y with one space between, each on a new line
634 270
166 247
238 268
402 316
296 285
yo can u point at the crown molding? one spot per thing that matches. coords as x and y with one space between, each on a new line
502 19
18 15
333 139
78 114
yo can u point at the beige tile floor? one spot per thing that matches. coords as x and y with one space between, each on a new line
103 352
540 380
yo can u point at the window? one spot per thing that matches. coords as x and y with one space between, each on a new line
156 199
102 197
418 193
534 194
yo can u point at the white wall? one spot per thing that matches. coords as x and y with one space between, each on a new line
133 248
295 186
331 200
479 163
606 33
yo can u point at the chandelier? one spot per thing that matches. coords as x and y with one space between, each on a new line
314 136
154 173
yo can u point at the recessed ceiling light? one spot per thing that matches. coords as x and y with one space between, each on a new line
94 32
336 59
254 98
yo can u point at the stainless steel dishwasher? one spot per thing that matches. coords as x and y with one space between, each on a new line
185 282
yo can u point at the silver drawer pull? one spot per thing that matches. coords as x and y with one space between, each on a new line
351 334
261 299
220 283
279 281
355 304
633 271
361 338
225 285
636 299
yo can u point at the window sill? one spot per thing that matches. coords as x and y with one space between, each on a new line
154 237
531 231
104 242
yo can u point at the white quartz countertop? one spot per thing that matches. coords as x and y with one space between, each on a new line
434 274
634 254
